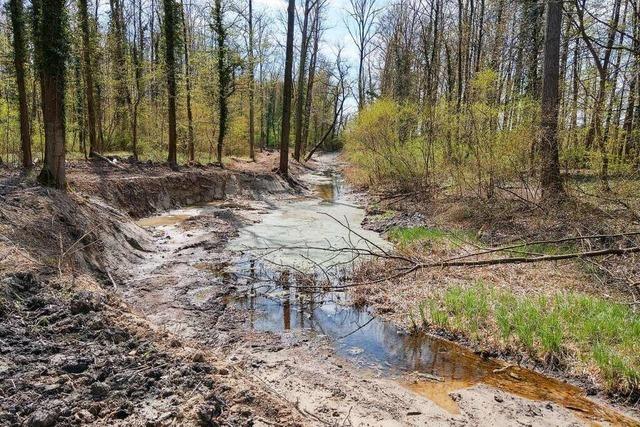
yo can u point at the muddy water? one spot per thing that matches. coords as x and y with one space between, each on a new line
429 366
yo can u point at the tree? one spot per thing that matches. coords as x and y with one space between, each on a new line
224 75
286 93
252 86
550 174
16 11
312 71
364 14
51 47
595 133
169 36
302 69
187 76
88 76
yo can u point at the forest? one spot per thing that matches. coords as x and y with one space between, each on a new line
320 212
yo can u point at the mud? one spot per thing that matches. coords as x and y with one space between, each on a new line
173 320
329 362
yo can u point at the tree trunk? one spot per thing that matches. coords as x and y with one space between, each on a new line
88 77
169 28
312 72
252 131
223 77
286 96
302 70
51 51
19 58
550 174
187 76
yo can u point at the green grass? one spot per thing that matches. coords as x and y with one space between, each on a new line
573 328
405 236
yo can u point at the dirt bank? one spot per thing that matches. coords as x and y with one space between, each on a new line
74 350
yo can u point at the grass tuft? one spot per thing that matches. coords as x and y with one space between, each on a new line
405 236
597 333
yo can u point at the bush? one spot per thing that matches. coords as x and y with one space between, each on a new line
406 147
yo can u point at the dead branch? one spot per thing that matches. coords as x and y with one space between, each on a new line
108 160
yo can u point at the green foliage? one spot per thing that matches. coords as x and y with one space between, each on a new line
598 332
407 145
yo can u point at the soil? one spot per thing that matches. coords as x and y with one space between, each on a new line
109 321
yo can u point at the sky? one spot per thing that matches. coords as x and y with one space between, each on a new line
335 33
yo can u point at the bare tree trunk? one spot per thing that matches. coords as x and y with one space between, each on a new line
550 174
312 71
187 75
19 58
286 95
302 70
88 76
169 28
252 131
51 52
223 77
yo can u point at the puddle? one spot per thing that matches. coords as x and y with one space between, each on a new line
163 220
424 364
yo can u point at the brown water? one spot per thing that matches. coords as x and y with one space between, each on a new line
163 220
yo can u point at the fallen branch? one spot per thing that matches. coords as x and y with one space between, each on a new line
108 160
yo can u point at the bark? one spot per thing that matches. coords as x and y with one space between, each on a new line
550 175
19 58
310 81
169 28
51 50
88 77
187 77
252 131
223 77
286 95
302 70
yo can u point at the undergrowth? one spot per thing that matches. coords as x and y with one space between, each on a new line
567 328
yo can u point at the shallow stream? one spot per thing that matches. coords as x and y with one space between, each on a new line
321 237
305 236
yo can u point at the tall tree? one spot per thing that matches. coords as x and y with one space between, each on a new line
51 47
312 71
169 37
550 173
286 93
118 47
364 13
302 70
88 76
16 11
252 86
187 77
224 75
595 134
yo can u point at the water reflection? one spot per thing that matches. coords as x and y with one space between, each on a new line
273 304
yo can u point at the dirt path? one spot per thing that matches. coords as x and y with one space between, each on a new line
182 283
